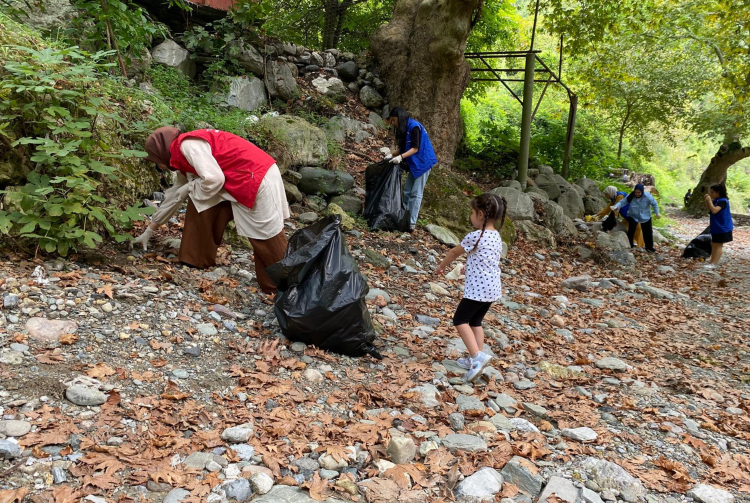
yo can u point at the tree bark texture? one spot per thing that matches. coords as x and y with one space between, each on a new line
716 172
420 55
623 127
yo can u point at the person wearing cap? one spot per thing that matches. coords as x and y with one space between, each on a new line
609 223
224 178
640 203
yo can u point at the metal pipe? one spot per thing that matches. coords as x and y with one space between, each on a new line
569 135
528 103
533 30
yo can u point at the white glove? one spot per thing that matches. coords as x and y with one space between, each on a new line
388 156
613 208
143 239
396 160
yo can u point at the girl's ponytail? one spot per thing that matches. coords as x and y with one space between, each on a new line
493 207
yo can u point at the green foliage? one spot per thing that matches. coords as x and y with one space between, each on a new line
52 98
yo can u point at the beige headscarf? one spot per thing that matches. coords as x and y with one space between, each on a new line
158 143
610 191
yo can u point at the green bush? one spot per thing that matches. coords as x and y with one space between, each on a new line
52 107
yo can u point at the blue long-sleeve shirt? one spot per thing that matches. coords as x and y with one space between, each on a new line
640 207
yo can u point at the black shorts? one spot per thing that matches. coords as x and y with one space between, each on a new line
724 237
471 312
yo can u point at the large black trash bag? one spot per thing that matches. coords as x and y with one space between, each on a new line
384 205
700 246
321 293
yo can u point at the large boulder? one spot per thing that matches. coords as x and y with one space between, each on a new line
370 97
293 194
350 203
338 127
555 219
247 93
562 183
303 143
322 181
348 71
520 205
444 235
250 59
331 88
546 170
280 81
536 193
45 15
513 184
590 187
572 204
613 241
170 53
593 204
535 233
548 185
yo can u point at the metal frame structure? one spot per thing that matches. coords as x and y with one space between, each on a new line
530 76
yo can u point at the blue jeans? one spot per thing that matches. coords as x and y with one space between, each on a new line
413 192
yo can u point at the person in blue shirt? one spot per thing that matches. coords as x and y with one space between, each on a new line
639 204
721 225
415 150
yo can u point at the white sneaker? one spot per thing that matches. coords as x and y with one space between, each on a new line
709 267
464 363
478 363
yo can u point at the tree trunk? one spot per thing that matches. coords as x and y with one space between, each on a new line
716 172
622 133
330 21
420 55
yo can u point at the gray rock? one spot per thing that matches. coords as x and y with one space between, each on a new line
193 351
656 293
349 203
370 97
9 449
58 475
592 205
567 491
481 486
85 395
239 489
44 330
520 205
572 204
303 143
14 428
556 220
402 450
238 434
513 184
580 434
298 347
522 424
176 495
535 233
580 283
608 475
247 93
10 301
548 184
313 376
466 402
611 363
429 395
457 421
463 442
546 170
535 410
180 373
293 194
21 348
308 217
505 401
198 460
374 292
524 385
169 53
287 494
443 235
709 494
614 241
305 463
427 320
331 88
207 329
322 181
244 452
348 71
519 471
280 81
590 187
250 59
261 483
502 423
376 259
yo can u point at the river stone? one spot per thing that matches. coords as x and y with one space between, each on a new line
85 395
481 486
443 235
238 434
520 205
238 490
463 442
523 474
288 494
9 449
176 495
402 450
580 434
374 292
331 88
198 460
14 428
349 203
502 423
611 363
370 97
580 283
261 483
657 293
522 424
466 402
567 491
293 194
169 53
572 204
429 395
608 475
348 71
247 93
303 143
280 81
322 181
709 494
44 330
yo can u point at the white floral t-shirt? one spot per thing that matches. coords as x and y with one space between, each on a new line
483 282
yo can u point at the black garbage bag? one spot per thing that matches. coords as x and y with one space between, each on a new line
321 293
700 246
384 205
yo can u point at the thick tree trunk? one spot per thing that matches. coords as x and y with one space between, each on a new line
420 55
716 172
623 127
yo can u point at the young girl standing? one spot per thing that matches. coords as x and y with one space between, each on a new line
483 286
721 224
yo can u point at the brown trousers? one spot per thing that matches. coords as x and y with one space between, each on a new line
203 233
